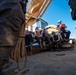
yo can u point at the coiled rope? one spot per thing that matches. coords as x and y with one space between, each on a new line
19 51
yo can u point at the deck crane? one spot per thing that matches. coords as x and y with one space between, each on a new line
36 8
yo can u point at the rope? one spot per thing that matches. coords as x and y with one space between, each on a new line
19 51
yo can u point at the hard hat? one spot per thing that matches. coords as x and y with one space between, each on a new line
59 21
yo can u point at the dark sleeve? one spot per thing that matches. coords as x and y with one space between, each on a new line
11 20
57 25
43 34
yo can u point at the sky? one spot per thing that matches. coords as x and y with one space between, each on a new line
60 10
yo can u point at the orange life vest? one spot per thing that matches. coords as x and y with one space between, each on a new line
62 26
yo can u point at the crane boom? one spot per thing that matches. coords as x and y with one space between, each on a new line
36 9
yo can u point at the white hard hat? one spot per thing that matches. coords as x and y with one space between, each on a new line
59 21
